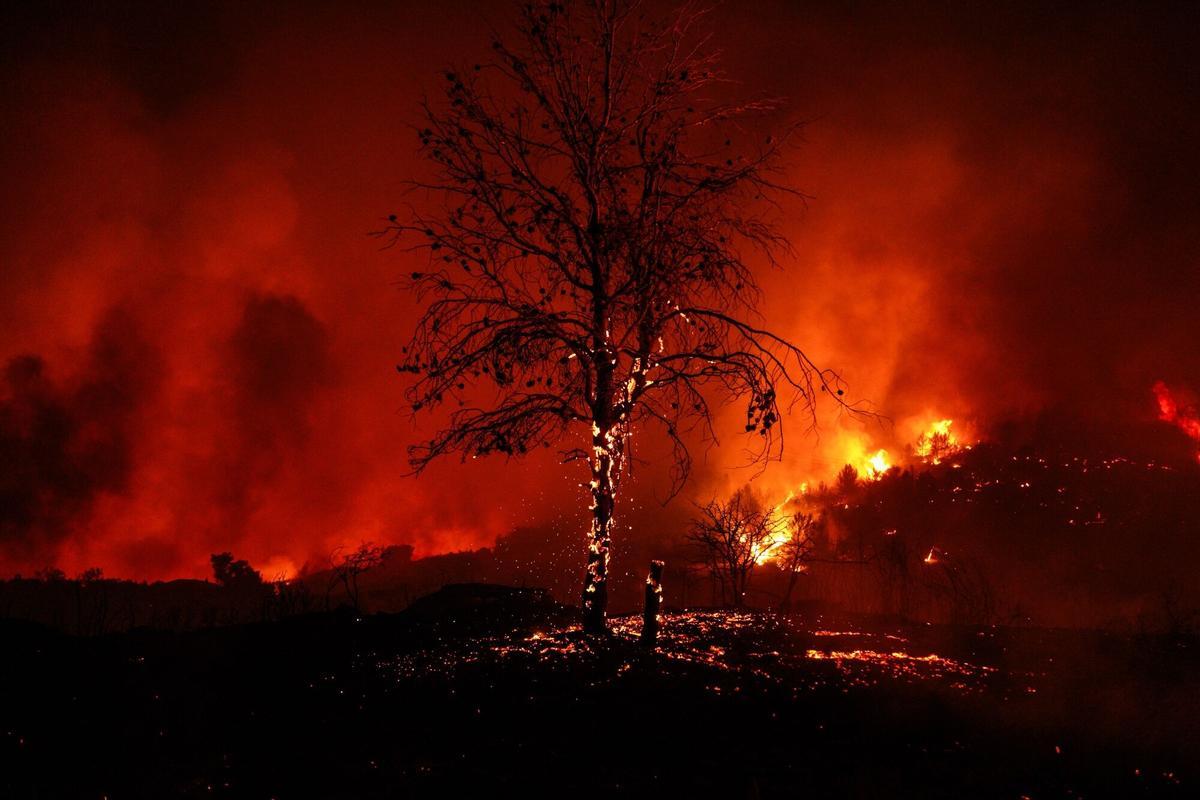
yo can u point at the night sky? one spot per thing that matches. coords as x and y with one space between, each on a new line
200 336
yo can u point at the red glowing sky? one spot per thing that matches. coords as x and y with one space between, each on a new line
200 336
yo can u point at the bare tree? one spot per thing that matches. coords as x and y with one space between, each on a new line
290 597
796 551
963 586
894 562
733 536
349 567
592 205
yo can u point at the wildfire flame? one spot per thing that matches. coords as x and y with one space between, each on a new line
279 568
937 442
876 465
779 532
1186 418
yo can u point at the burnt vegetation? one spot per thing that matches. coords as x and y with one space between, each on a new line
471 687
476 689
993 535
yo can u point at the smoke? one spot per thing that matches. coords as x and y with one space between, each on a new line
1001 231
65 441
278 362
998 232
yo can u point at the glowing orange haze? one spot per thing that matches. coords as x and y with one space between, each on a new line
183 234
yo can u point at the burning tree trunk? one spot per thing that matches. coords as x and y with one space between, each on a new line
653 604
606 465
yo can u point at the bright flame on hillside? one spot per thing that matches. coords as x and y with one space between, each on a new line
859 452
780 530
1186 418
937 442
279 568
876 465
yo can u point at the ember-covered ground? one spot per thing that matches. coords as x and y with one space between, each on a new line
508 699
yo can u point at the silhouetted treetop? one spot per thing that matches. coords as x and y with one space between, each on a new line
234 573
589 223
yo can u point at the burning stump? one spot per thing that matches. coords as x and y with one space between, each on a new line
650 620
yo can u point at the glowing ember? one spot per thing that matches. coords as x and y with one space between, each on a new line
900 664
741 649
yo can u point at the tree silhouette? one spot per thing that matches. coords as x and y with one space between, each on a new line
593 205
733 535
847 482
349 567
796 551
234 573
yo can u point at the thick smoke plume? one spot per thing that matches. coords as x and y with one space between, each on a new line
200 336
65 442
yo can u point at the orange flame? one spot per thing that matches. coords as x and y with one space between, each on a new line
937 441
876 465
1186 418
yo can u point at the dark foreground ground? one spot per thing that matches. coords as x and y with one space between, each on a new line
502 697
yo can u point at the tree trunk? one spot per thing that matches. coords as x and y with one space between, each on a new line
737 590
605 467
786 604
653 603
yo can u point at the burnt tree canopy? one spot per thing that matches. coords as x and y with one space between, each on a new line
590 215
